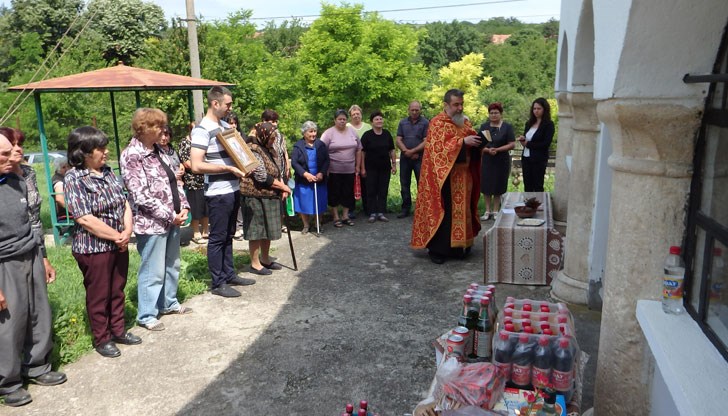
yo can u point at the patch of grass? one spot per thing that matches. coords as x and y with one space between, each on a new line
71 333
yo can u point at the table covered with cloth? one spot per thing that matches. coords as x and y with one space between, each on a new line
523 255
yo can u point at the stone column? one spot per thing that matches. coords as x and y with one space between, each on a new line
560 196
572 282
653 146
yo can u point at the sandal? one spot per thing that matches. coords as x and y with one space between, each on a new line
338 224
348 222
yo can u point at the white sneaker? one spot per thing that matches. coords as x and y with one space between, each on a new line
485 216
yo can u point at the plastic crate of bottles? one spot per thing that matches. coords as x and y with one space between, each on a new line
535 346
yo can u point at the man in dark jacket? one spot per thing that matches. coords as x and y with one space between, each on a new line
25 314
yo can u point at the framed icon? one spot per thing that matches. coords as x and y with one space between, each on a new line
238 150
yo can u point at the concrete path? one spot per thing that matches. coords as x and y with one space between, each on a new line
355 322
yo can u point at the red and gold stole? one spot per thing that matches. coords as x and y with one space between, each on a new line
442 146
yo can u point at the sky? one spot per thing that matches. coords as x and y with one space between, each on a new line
429 10
530 11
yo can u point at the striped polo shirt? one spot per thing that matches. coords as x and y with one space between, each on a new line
203 137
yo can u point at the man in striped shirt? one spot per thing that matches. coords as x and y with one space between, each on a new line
222 191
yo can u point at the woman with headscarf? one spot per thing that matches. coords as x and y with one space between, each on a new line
262 193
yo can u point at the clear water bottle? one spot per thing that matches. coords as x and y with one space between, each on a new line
672 282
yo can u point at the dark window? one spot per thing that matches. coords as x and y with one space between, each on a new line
706 253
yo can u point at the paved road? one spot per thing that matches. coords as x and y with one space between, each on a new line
356 321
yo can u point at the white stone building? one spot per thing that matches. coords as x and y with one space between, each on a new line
642 164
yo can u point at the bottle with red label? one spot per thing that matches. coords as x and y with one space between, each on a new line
562 374
502 355
521 364
542 358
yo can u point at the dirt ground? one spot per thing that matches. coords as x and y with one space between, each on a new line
355 322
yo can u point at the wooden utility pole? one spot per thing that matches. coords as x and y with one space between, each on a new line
194 57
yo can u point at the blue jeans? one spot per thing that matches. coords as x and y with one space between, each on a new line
406 167
158 274
223 212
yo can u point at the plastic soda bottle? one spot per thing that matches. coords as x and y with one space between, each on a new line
521 363
562 373
672 282
502 355
541 362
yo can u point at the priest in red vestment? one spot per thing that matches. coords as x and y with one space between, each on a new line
446 216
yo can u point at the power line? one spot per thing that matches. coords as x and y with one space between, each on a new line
392 10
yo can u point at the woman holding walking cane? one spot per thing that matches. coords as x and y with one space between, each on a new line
310 161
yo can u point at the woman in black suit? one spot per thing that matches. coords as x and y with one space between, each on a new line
536 139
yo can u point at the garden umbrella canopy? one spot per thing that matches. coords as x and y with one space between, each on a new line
112 79
119 78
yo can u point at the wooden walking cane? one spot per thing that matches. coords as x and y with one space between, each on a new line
290 243
289 210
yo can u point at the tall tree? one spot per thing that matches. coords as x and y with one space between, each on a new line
466 75
48 19
448 42
125 25
523 68
284 39
347 58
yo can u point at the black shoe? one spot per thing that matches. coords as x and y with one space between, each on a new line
262 272
127 339
241 281
108 349
403 214
352 215
225 291
51 378
436 258
17 398
272 266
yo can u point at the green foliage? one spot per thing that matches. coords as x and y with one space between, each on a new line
449 42
230 52
500 26
345 57
124 26
348 58
48 19
466 75
284 39
522 68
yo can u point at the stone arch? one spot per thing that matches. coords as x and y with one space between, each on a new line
563 79
583 69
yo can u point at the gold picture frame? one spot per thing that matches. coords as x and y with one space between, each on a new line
238 150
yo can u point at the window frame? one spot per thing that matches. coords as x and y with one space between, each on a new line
715 115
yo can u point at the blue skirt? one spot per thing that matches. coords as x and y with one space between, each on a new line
304 200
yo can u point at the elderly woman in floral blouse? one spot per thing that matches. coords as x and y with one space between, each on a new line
160 208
